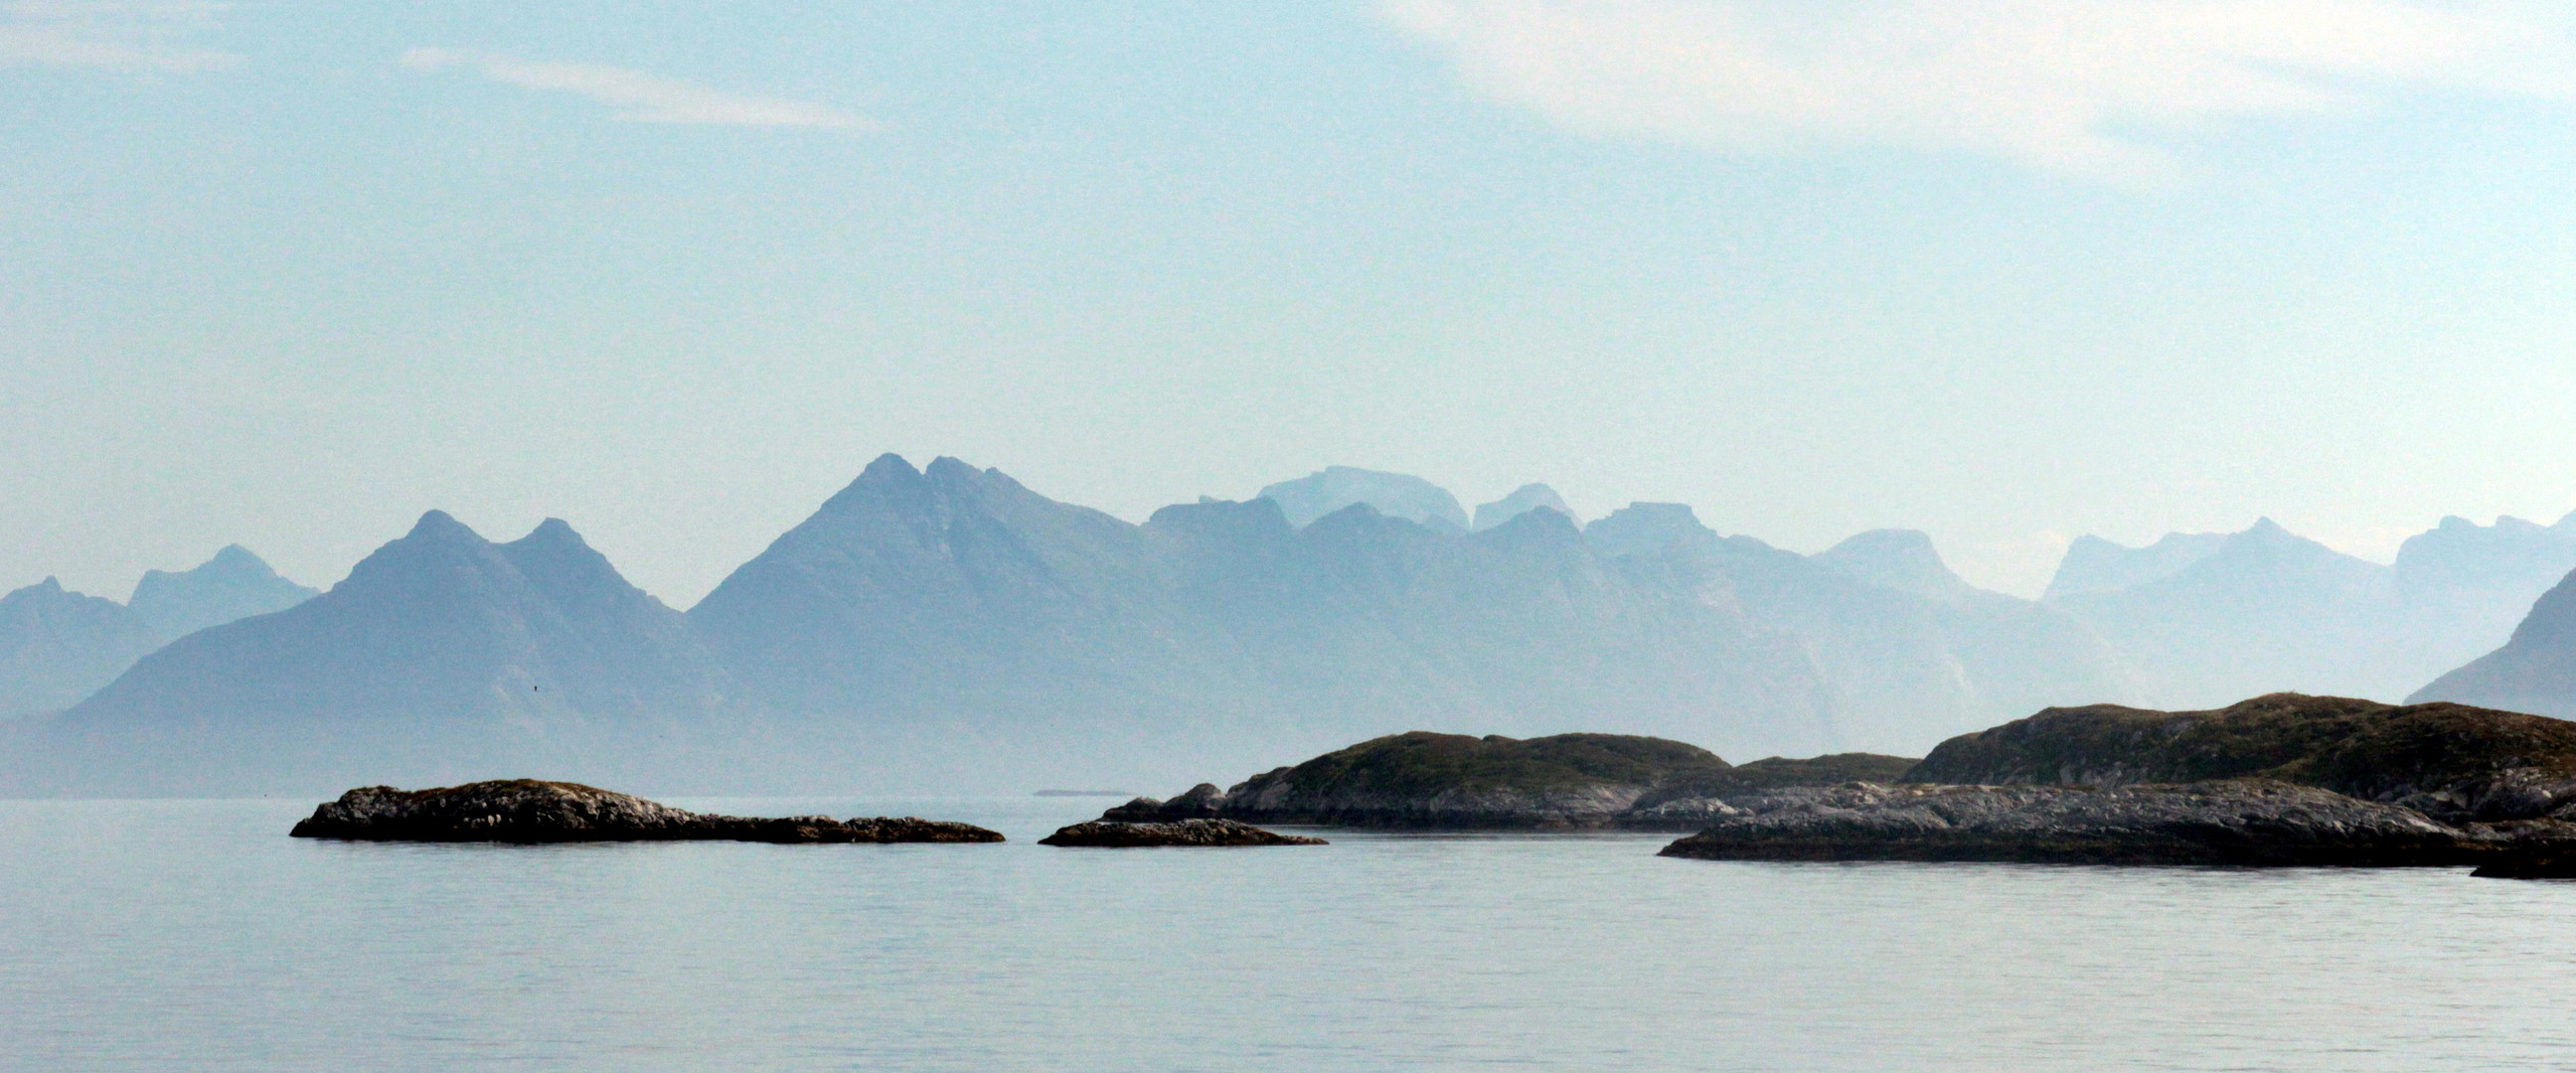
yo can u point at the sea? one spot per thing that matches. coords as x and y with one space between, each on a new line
195 935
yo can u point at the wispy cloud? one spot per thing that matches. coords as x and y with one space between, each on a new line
133 35
643 98
2089 87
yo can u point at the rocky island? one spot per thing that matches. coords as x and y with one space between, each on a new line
2279 779
530 810
1426 781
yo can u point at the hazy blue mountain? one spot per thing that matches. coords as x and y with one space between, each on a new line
1899 644
1523 499
1393 494
952 609
56 646
235 584
1900 559
2534 672
442 657
2094 565
2268 611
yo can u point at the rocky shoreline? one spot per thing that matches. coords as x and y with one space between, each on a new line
2258 822
531 810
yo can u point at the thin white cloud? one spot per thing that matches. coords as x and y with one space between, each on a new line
2089 87
134 35
643 98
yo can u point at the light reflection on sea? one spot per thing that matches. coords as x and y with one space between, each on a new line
194 935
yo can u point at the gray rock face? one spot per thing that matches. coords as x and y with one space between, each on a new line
58 646
529 810
2231 822
1395 495
232 586
1523 500
1196 832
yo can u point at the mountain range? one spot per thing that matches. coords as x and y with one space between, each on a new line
948 628
58 646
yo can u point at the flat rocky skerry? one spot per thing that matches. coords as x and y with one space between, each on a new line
532 810
1116 834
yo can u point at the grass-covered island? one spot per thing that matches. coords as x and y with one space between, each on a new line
531 810
2280 779
1430 781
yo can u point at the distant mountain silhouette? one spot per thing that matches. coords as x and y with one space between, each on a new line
56 646
2267 610
1393 494
1523 499
442 657
2534 672
235 584
947 628
2094 565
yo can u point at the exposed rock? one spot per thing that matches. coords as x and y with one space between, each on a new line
529 810
1198 802
2455 763
2550 865
1200 832
2232 822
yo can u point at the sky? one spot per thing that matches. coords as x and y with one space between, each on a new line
2006 271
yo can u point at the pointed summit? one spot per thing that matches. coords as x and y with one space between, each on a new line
441 657
233 585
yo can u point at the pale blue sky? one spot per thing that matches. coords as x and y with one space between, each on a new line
2001 270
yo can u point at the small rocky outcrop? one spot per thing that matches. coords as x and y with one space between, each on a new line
1190 832
530 810
2225 822
2550 865
1199 802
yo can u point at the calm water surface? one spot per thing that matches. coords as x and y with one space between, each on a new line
195 935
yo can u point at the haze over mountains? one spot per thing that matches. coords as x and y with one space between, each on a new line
948 628
58 646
